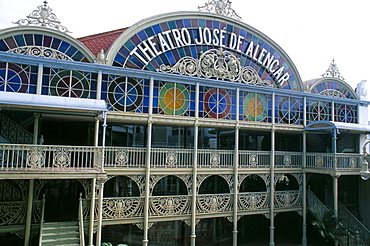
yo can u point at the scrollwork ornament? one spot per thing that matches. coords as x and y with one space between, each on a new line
217 64
36 158
40 51
171 158
44 17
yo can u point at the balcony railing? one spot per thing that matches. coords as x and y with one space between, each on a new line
339 162
16 157
116 208
49 158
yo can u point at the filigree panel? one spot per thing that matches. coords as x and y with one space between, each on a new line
140 181
13 212
40 51
216 64
36 157
169 205
214 159
253 200
125 207
214 203
285 199
171 158
62 158
121 157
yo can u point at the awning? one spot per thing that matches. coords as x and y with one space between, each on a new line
22 100
338 126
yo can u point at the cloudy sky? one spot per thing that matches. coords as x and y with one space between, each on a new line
311 32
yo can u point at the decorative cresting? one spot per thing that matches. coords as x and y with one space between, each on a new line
40 52
333 71
221 7
216 64
43 16
332 93
169 205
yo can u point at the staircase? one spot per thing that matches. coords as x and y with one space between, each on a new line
363 237
60 233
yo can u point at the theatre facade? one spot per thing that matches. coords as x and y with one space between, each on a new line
187 128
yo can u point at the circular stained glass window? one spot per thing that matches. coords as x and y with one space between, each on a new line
217 103
319 111
125 94
15 76
69 84
345 114
289 110
174 99
255 107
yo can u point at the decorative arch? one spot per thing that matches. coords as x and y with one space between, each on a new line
333 87
43 42
253 183
169 185
198 44
214 184
121 186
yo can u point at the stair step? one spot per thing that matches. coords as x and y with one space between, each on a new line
60 233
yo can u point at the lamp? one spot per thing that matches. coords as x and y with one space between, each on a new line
365 174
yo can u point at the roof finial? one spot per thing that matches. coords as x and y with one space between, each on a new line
333 71
221 7
43 17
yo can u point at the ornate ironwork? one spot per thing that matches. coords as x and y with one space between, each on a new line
332 93
40 52
214 159
169 205
171 158
217 64
253 160
220 7
125 207
43 16
213 203
62 158
284 199
287 160
36 158
333 71
121 158
253 200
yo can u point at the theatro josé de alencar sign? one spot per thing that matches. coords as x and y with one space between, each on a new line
207 46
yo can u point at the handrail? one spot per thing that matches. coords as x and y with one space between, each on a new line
81 222
42 219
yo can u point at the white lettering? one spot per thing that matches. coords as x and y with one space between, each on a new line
216 40
167 33
176 34
273 64
145 50
284 78
134 52
207 36
200 33
185 36
152 44
278 73
240 42
262 54
163 43
268 59
256 52
232 43
222 37
249 51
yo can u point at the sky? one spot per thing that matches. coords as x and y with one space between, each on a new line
312 33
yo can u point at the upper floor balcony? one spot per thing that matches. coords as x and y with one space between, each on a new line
82 160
